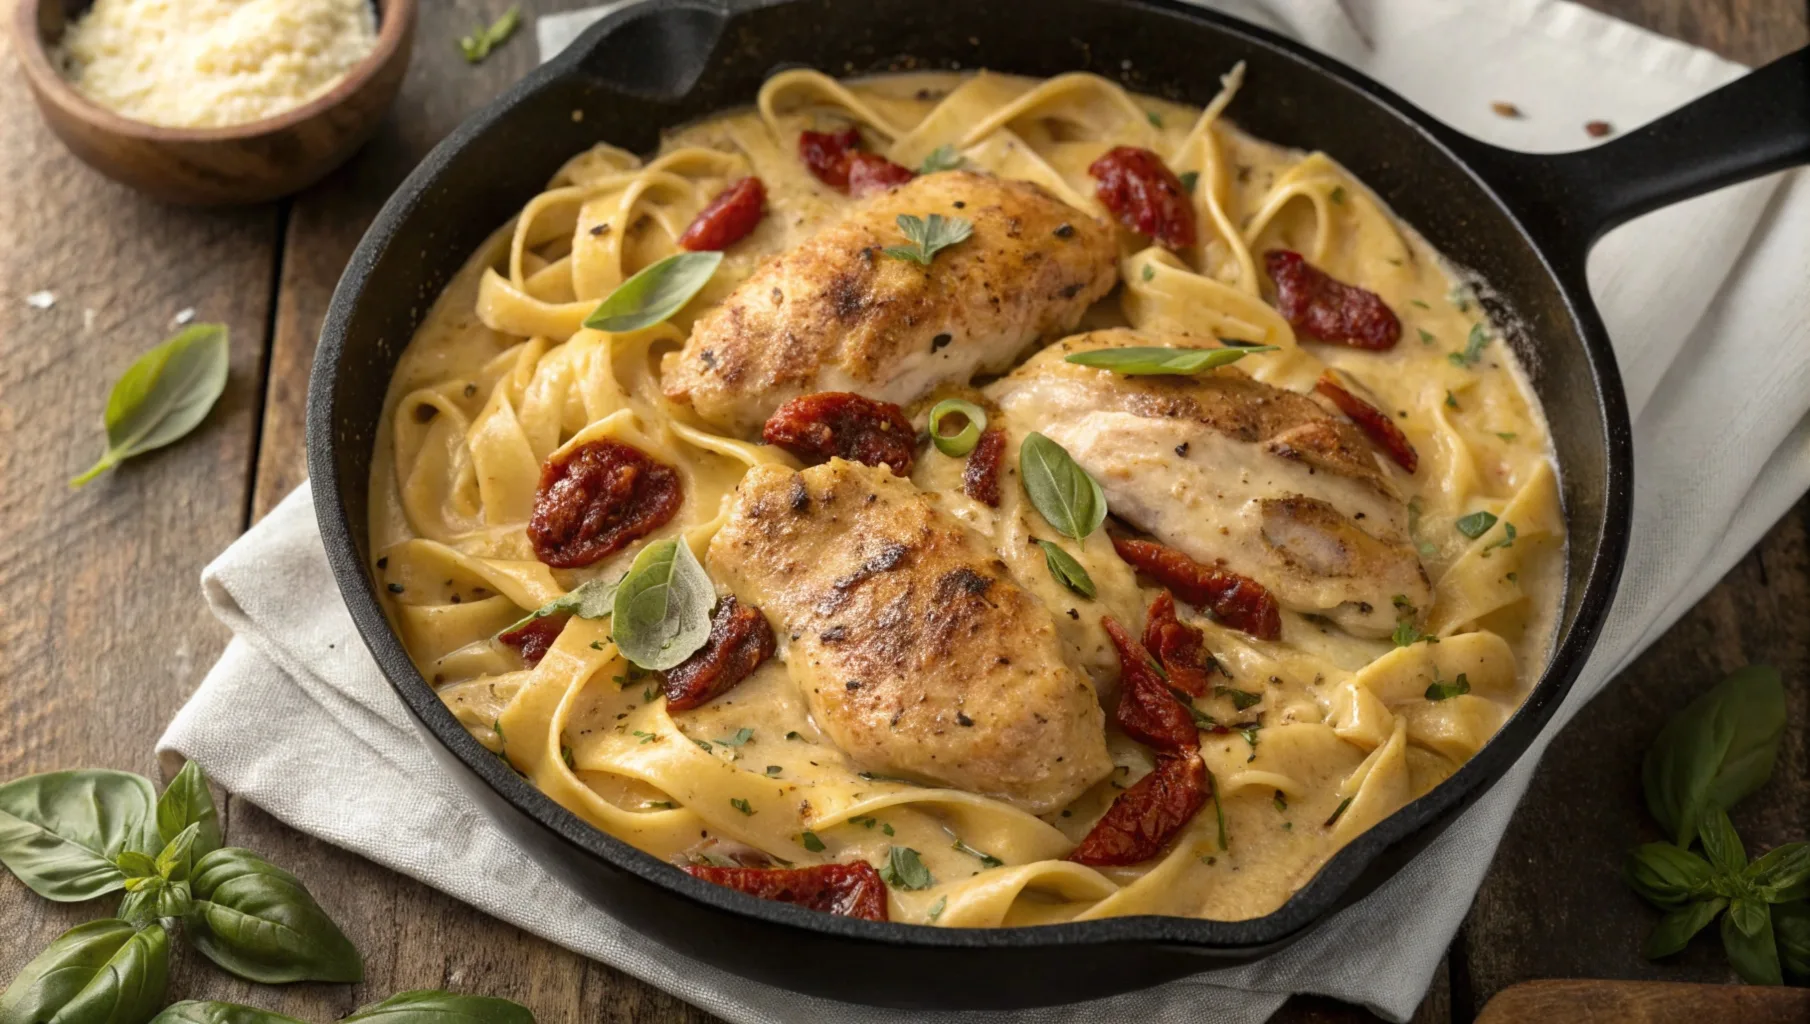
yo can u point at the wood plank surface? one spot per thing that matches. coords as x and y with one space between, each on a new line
102 634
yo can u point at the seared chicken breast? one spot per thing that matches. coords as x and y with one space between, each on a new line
916 652
1232 472
836 313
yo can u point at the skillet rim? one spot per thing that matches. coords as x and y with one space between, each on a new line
1327 892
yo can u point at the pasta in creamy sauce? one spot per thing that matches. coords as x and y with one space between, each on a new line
1338 728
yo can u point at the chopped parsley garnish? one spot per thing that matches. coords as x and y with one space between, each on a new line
987 860
1406 635
1426 336
1340 813
904 870
864 822
742 735
1419 303
1189 179
942 158
496 726
1473 348
1149 272
1249 733
1241 699
1439 689
1202 720
1155 119
664 805
647 737
741 805
1218 811
886 827
1508 536
565 754
1280 801
1402 604
810 841
702 745
936 909
928 236
1476 524
1338 194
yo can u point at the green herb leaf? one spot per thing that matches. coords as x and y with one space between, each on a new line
1508 536
1747 939
175 859
135 864
662 609
1189 179
1241 699
60 831
1717 750
78 960
937 908
987 860
1063 493
1675 929
655 293
1791 928
1219 812
1135 361
963 441
1338 193
259 922
1439 689
742 736
1666 876
1426 337
928 236
942 158
1476 524
1721 843
436 1007
163 395
1782 873
1473 347
186 801
1068 572
194 1011
1280 800
592 599
811 842
480 42
904 870
741 805
1406 635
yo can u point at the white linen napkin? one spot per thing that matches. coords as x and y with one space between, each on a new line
1709 307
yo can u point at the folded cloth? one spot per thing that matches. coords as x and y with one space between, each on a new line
1710 313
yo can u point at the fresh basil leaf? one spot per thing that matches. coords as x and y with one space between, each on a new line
963 441
1720 748
904 870
1665 875
1721 843
60 831
1439 689
135 865
1068 571
662 609
1476 524
194 1011
186 801
53 977
175 859
655 293
942 158
592 599
1141 361
258 922
1675 929
434 1007
1782 872
139 907
1791 927
1064 494
1747 939
127 988
163 395
928 236
174 900
484 39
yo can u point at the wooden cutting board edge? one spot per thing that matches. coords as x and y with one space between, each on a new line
1644 1002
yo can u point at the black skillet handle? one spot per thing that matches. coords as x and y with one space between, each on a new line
657 49
1755 125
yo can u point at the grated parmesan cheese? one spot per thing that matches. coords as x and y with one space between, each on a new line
210 63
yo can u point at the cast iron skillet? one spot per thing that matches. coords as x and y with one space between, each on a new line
1522 222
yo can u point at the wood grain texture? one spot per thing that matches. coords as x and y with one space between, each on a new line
77 689
1631 1002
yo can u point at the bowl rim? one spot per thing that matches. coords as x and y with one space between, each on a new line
1324 894
51 87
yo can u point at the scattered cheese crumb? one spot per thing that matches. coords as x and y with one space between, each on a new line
185 316
41 300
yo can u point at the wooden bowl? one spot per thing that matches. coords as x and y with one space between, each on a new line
243 163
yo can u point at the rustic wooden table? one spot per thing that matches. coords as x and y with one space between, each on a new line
103 635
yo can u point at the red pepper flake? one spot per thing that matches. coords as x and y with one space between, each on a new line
1599 129
837 161
729 218
1177 646
1145 195
1238 601
846 890
980 477
535 637
1148 815
1376 423
740 640
837 424
1326 309
1148 711
597 498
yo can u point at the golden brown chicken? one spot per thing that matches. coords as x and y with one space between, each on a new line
917 654
837 313
1234 472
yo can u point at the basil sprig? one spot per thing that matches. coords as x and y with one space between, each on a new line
163 395
421 1007
962 441
1063 492
1716 751
592 599
60 832
655 293
1068 571
928 236
100 971
662 608
1151 361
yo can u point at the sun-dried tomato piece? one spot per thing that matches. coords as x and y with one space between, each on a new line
1324 308
1145 195
596 499
870 172
1375 422
740 640
848 890
826 155
1177 646
1145 817
728 218
832 424
1239 601
1148 711
534 637
980 477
